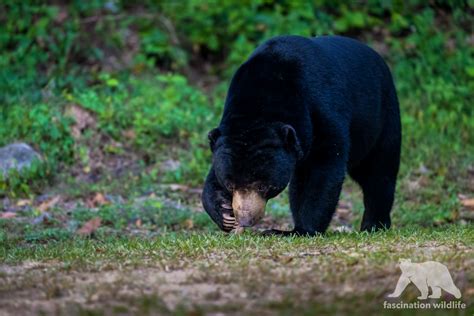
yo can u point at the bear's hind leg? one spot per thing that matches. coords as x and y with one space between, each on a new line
378 201
377 176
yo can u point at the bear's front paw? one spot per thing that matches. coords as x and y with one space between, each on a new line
228 221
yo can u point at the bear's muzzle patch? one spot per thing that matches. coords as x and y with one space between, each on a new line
248 207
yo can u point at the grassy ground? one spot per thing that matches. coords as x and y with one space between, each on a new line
159 254
197 273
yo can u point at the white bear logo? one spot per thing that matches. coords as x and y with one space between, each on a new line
425 274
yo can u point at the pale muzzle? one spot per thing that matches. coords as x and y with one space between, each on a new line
248 207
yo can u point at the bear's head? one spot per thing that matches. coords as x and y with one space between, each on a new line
254 165
405 264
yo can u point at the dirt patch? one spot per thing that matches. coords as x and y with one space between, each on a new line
259 284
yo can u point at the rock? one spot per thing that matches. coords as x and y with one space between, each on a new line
16 156
170 165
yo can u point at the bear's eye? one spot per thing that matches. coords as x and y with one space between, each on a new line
261 188
229 186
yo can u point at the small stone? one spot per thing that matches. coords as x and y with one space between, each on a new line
170 165
17 157
343 229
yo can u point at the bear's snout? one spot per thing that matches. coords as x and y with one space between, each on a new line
248 206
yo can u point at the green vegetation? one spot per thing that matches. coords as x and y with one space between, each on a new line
100 56
118 98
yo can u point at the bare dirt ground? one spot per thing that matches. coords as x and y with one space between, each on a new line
263 284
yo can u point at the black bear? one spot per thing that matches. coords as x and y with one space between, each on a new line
305 111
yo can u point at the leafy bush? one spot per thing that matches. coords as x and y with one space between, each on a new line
432 71
104 55
165 106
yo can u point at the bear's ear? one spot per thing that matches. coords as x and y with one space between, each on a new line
213 135
291 140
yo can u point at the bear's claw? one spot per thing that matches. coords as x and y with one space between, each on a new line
229 221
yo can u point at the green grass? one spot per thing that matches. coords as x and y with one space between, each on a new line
181 245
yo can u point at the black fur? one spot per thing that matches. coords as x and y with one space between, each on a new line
308 110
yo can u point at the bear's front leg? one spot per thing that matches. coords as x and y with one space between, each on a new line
217 202
314 193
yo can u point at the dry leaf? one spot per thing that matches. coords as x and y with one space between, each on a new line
178 187
98 200
21 203
286 259
189 224
8 215
83 119
130 134
43 207
138 223
89 227
469 203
